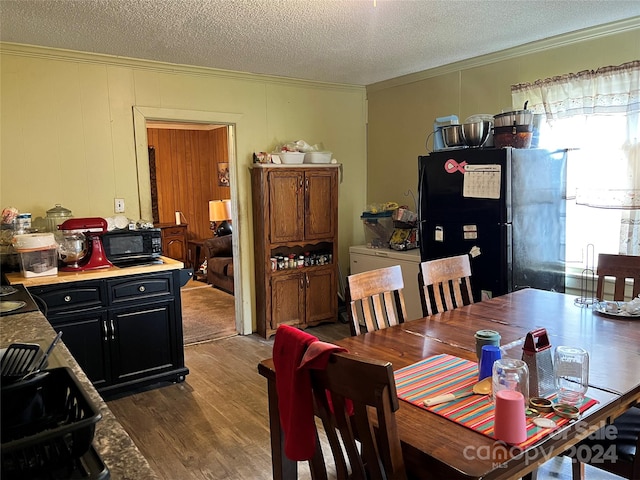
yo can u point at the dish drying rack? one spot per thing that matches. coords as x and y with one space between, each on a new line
587 281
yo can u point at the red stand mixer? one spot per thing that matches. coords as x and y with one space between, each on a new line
81 245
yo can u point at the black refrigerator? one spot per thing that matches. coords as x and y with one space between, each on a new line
505 207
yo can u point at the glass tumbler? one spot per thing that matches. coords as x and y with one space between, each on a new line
571 373
510 374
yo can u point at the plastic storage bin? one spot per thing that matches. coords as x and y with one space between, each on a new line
317 157
378 228
38 254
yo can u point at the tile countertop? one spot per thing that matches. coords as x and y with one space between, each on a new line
111 441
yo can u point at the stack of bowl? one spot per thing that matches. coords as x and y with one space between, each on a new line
513 129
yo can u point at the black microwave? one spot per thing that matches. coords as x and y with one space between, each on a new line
133 247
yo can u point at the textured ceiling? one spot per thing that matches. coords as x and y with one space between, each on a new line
345 41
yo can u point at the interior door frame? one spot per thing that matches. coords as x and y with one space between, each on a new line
233 121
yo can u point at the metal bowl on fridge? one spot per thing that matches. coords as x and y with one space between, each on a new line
475 134
452 136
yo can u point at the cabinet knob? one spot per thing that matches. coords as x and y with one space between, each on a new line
67 298
141 288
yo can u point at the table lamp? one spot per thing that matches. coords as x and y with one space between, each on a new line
219 214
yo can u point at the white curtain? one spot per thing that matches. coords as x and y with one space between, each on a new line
602 91
613 90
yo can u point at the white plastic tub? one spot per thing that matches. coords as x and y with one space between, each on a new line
38 254
317 157
291 157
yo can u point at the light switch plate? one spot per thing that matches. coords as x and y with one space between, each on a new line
118 205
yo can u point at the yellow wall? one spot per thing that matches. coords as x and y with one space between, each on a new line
67 133
402 111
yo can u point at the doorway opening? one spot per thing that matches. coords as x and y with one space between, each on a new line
147 117
184 160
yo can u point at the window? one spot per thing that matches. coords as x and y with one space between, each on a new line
596 115
596 164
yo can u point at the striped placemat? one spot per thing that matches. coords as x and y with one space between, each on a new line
444 373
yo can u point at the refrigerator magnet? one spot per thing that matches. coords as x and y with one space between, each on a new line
470 232
439 234
474 252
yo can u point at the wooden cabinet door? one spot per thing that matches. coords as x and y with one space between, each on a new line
174 241
287 300
87 338
320 204
321 295
286 201
176 248
141 341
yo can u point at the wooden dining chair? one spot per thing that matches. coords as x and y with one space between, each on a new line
445 284
614 448
375 297
359 419
621 267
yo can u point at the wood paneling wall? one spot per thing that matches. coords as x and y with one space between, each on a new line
186 174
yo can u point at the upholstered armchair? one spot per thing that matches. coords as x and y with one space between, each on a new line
219 253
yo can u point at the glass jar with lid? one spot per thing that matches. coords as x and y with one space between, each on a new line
56 216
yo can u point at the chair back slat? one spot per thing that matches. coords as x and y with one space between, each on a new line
367 441
445 283
621 267
390 308
376 298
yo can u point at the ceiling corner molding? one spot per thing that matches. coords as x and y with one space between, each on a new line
526 49
48 53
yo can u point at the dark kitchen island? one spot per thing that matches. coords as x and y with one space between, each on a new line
123 326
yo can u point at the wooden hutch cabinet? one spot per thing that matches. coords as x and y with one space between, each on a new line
295 224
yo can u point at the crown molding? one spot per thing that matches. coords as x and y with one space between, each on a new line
59 54
526 49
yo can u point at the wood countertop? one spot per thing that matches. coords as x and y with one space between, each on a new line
111 441
111 272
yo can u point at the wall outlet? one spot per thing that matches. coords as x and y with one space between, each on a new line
118 205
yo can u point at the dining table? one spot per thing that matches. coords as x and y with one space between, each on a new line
435 446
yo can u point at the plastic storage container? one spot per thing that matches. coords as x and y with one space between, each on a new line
38 254
317 157
517 136
291 157
378 228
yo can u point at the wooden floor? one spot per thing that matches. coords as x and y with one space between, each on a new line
215 424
